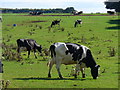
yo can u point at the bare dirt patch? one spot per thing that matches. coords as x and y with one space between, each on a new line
36 21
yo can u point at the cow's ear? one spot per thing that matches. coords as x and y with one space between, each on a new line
97 66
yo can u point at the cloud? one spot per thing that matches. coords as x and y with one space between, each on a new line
113 0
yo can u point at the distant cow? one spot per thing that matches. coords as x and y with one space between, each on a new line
111 12
1 67
55 22
79 21
77 13
35 13
29 44
70 53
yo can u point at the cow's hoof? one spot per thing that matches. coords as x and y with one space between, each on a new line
49 76
61 77
75 76
83 76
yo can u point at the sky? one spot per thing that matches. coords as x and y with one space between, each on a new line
87 6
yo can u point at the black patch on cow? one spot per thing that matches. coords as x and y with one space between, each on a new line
52 49
73 49
89 60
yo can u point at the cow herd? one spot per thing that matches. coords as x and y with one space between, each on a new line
64 53
57 22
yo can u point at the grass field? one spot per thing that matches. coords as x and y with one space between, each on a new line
99 33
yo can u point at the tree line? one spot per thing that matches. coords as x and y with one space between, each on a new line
27 10
112 5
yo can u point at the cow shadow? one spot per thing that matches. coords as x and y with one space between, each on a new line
117 22
46 78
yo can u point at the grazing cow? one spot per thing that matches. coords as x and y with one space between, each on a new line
1 67
55 22
70 53
79 21
29 44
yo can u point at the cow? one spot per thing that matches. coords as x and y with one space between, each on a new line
77 13
79 21
35 12
71 53
30 44
1 67
111 12
55 22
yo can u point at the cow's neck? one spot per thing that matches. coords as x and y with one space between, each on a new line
93 64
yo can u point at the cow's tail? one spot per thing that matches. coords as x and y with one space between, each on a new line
52 51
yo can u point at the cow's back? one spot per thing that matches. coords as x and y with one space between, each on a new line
31 42
20 42
60 49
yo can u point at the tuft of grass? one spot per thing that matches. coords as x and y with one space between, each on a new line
112 51
9 54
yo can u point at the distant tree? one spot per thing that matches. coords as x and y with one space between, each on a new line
113 5
69 10
27 10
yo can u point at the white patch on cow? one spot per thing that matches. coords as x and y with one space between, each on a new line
61 49
84 51
61 54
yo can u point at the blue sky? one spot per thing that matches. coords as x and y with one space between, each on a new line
87 6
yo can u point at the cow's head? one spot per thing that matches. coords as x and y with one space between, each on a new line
39 48
94 71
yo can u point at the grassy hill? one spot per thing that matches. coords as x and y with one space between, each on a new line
99 33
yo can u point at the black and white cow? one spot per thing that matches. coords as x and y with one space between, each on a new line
55 22
29 44
79 21
70 53
77 13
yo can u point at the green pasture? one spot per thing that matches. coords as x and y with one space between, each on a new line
99 33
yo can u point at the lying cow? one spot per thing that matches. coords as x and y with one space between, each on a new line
70 53
55 22
29 44
79 21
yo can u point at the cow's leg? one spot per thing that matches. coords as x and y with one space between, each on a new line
35 54
18 49
58 69
28 53
83 72
50 64
58 63
77 69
